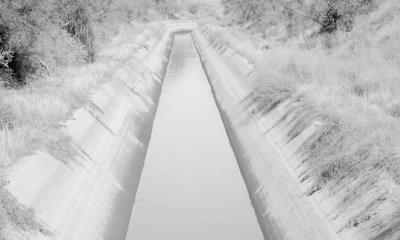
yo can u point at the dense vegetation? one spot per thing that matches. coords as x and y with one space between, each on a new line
339 61
36 37
297 15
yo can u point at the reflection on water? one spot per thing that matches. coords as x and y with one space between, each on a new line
191 187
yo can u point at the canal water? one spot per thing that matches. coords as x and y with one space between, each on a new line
191 187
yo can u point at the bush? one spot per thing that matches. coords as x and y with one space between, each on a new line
78 24
339 14
194 8
33 32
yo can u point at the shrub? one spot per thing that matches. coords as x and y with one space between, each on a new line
194 8
339 14
78 24
32 31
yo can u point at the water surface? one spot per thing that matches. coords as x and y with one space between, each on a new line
191 187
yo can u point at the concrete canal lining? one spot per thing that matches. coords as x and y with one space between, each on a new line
191 186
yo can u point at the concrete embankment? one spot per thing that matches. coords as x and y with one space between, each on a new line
267 161
93 199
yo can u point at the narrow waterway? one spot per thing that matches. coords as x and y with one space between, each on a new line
191 187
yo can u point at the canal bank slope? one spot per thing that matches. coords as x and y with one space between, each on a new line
93 199
283 209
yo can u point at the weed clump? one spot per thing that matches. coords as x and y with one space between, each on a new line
15 217
265 98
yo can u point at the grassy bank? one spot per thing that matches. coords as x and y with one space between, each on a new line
344 75
33 115
53 55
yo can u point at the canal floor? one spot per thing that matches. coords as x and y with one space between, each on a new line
191 186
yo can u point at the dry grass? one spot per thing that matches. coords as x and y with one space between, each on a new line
349 81
14 216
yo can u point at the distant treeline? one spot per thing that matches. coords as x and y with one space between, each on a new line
329 15
38 36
